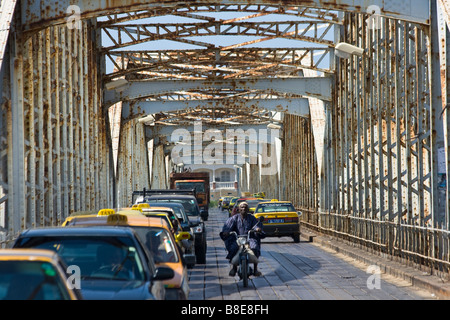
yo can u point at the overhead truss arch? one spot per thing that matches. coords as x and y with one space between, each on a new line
37 14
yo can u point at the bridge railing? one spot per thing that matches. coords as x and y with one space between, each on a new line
425 247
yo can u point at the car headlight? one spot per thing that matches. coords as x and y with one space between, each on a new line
198 229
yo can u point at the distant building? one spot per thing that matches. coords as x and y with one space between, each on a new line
223 178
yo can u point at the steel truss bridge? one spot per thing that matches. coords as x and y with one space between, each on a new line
93 91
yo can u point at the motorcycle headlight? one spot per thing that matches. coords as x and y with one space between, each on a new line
242 241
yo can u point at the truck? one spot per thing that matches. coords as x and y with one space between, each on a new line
193 180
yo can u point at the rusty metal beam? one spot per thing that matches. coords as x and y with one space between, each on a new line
125 35
133 172
37 14
298 107
313 87
7 9
216 63
58 156
165 132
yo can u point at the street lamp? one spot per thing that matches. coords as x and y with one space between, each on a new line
238 189
274 126
147 119
118 85
346 50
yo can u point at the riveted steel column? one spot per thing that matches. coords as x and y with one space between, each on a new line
436 105
5 127
57 136
446 58
132 168
299 174
158 178
16 140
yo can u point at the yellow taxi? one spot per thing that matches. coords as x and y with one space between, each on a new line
179 224
140 206
103 212
169 216
155 234
172 220
164 211
280 219
225 203
252 204
35 274
231 204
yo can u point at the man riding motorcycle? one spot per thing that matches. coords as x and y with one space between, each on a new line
242 223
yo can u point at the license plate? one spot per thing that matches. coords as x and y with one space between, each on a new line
276 220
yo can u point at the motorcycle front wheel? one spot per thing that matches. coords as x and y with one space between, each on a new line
244 272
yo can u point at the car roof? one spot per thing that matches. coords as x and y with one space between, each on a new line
288 202
75 231
132 220
170 196
166 204
27 254
161 209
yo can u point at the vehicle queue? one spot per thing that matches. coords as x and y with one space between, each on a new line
142 252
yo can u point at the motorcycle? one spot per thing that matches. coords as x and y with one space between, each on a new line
245 256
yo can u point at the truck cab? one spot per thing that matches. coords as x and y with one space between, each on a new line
198 181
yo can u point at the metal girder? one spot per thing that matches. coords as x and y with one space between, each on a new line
319 88
37 14
214 62
445 9
446 112
192 10
6 14
56 136
124 35
298 107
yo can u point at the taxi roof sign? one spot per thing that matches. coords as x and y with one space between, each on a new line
117 219
140 206
106 212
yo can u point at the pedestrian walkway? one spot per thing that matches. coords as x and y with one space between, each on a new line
291 271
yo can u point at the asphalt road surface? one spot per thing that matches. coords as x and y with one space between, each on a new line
292 271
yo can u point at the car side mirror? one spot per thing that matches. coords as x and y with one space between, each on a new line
163 273
183 236
299 213
203 214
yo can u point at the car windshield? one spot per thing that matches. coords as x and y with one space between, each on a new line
198 186
31 280
159 243
177 208
98 257
253 203
190 206
275 207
